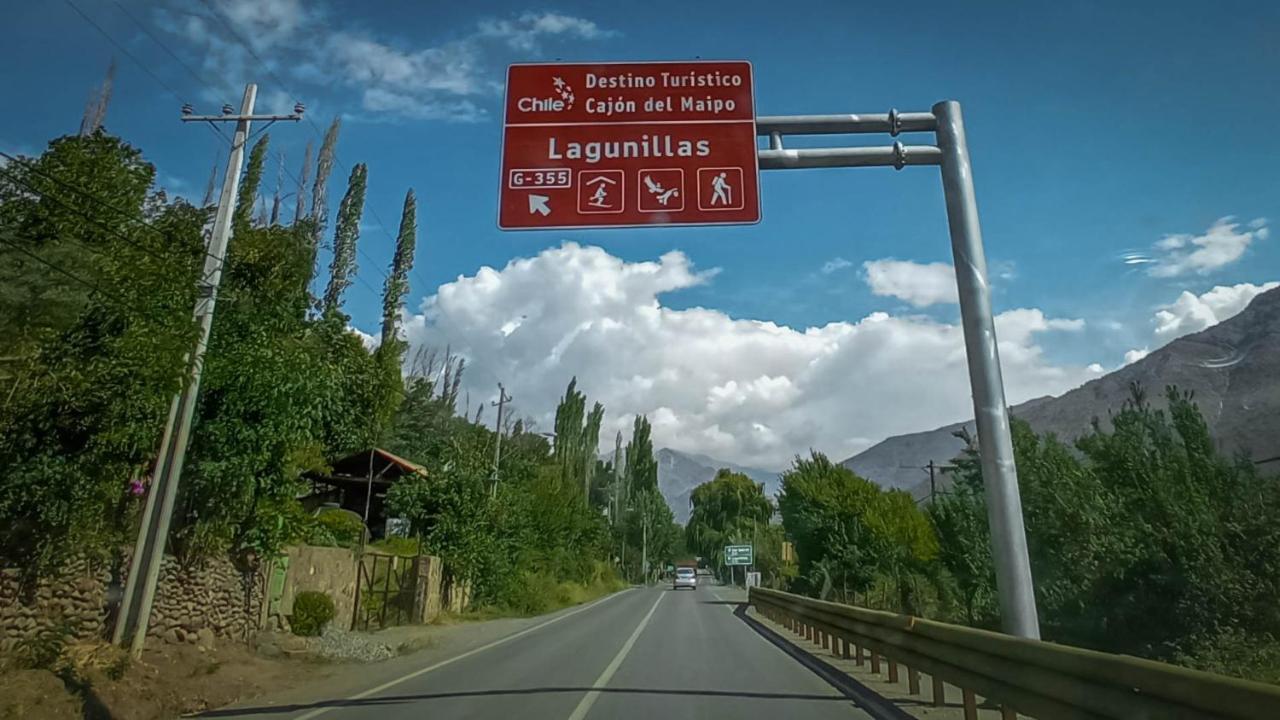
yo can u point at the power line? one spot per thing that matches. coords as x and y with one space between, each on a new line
315 128
90 196
142 26
238 38
123 49
60 269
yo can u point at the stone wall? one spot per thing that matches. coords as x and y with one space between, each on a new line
329 570
212 598
72 602
213 595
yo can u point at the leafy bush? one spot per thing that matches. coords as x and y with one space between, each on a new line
346 529
311 612
402 546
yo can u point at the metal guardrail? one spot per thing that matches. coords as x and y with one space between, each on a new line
1040 679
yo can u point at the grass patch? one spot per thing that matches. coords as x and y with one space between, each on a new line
538 594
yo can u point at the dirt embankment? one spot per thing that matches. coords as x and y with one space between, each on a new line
97 681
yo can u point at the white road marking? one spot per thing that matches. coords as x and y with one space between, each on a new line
423 671
584 706
717 596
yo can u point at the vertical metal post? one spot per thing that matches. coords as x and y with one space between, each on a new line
999 476
144 572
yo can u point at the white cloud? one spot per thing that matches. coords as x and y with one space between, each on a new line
919 284
750 391
1135 355
1095 368
835 264
1222 244
1193 313
392 79
370 342
522 33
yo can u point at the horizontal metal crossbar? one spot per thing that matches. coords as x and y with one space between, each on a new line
238 118
891 122
897 156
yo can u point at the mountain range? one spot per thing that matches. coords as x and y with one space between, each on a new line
1232 367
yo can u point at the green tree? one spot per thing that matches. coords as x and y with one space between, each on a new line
397 285
1143 540
247 197
729 509
342 268
86 399
641 469
850 535
320 188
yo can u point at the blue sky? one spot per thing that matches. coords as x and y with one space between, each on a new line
1096 132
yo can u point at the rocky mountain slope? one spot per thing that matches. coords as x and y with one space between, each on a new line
1233 368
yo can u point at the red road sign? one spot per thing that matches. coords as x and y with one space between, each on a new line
624 144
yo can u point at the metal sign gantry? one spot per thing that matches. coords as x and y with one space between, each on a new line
951 155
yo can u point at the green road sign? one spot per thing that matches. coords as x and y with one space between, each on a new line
737 555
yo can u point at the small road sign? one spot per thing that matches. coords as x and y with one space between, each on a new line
738 555
626 144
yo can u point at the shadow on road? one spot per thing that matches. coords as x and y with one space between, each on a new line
399 699
878 707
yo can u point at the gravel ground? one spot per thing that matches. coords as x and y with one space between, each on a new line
339 644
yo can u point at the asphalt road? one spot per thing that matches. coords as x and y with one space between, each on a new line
643 654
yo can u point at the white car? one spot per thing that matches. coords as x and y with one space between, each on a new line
685 577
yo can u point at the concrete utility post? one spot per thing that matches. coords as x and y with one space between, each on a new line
503 399
148 552
951 155
644 547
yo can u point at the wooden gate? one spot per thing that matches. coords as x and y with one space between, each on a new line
385 589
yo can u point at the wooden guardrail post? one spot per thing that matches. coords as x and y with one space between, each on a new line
875 662
939 691
893 670
1008 713
913 681
846 648
858 652
970 704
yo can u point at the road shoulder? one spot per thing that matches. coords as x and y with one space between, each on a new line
452 642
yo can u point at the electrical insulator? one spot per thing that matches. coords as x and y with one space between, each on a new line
227 109
187 109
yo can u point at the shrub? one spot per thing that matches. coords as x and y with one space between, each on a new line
346 529
311 612
43 649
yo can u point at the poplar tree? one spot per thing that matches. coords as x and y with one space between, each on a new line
320 190
248 195
342 268
300 195
397 285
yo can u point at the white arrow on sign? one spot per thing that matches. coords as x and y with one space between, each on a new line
538 204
